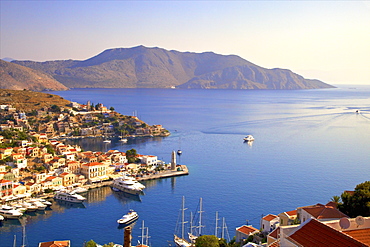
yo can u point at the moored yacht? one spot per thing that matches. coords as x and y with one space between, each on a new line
69 197
9 212
129 185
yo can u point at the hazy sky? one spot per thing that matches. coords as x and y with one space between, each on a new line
326 40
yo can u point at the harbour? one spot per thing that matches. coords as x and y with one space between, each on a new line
297 148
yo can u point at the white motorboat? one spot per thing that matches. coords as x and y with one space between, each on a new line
107 141
79 190
69 197
123 140
47 203
9 212
38 204
128 218
129 185
30 207
1 218
248 138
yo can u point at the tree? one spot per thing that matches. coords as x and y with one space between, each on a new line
207 241
90 243
131 155
111 108
356 203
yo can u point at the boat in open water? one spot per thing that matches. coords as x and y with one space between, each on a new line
128 218
248 138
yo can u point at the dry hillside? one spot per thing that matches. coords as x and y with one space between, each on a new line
29 100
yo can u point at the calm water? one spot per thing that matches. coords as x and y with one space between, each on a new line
310 145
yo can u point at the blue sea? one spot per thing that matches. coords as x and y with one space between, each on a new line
309 145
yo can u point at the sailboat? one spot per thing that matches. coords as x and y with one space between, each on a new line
181 241
194 234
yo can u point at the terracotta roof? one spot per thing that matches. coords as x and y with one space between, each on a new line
275 244
315 233
324 212
275 233
93 164
362 235
269 217
65 243
291 213
246 229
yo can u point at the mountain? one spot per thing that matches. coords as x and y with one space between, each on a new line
17 77
142 67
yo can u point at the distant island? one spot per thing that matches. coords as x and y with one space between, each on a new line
143 67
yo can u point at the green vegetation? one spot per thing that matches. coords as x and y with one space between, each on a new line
131 156
355 203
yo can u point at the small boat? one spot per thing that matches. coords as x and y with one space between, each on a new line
69 197
1 217
248 138
107 141
130 217
123 140
79 190
179 152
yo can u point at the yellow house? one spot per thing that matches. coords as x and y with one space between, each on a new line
287 218
94 171
19 189
68 178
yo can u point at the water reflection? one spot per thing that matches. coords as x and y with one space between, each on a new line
60 205
125 198
98 194
97 143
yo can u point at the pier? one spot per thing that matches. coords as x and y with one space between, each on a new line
183 170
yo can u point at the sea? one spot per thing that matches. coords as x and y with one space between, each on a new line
310 145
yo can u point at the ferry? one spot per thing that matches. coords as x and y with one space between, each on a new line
69 197
128 218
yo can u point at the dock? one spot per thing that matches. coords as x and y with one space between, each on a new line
182 170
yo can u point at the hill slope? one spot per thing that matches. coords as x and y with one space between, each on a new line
29 100
142 67
17 77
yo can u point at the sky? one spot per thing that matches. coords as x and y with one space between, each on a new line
325 40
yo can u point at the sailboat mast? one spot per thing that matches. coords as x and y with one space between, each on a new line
223 228
200 215
142 233
183 218
216 228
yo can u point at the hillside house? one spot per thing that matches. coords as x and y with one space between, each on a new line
242 233
269 223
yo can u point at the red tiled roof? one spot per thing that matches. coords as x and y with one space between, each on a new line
246 229
65 243
269 217
275 244
315 233
93 164
324 212
275 233
291 213
362 235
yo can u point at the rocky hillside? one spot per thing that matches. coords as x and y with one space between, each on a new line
17 77
142 67
28 100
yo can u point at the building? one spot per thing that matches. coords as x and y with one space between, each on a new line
340 233
95 171
242 233
269 223
287 218
6 188
64 243
320 212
